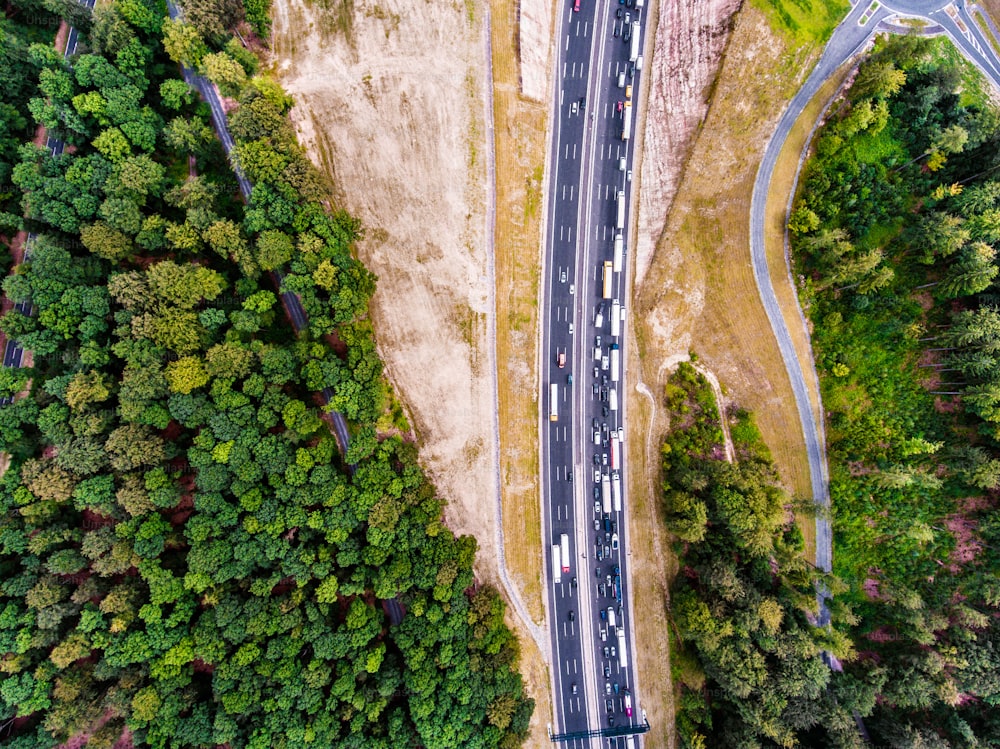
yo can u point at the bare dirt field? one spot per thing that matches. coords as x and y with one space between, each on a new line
398 127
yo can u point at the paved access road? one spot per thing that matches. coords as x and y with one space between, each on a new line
589 168
944 17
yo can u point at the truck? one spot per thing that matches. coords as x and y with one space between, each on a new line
599 319
564 552
619 247
613 396
626 123
615 454
554 402
620 218
556 564
633 54
611 616
614 362
616 492
628 705
608 267
604 362
606 492
622 661
616 318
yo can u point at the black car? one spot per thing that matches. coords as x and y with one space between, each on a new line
608 706
607 672
596 389
597 571
573 582
611 720
572 615
605 411
597 492
573 685
597 459
618 13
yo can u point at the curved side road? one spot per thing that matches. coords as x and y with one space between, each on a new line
955 21
848 38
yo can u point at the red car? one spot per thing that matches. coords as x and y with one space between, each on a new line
620 105
576 5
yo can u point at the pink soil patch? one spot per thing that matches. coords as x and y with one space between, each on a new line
947 404
967 545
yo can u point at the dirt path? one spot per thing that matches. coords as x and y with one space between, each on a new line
713 381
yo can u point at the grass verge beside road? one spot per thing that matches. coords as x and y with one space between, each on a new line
520 155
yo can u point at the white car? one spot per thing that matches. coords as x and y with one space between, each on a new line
572 286
614 540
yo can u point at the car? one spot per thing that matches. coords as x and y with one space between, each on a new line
569 475
604 459
609 579
573 581
611 720
569 379
607 653
607 527
600 554
621 104
628 3
573 109
618 12
597 373
614 654
626 33
607 671
615 687
597 340
572 615
628 176
604 394
607 551
572 286
571 328
597 571
561 359
616 29
628 18
597 459
628 91
604 616
573 687
618 570
614 540
604 380
597 388
597 524
628 706
597 478
602 589
607 688
597 495
562 276
608 706
604 427
614 529
595 423
583 103
605 411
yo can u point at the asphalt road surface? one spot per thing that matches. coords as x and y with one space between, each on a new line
589 174
952 19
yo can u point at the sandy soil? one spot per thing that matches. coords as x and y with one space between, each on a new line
534 47
689 43
398 127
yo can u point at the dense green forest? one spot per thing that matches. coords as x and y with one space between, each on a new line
186 560
894 237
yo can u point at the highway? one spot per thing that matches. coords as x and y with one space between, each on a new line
849 38
583 390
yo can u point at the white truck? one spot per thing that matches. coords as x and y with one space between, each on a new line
605 493
615 453
556 564
620 218
627 123
622 661
616 318
599 320
613 397
614 362
619 247
616 491
554 402
633 54
611 616
564 552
